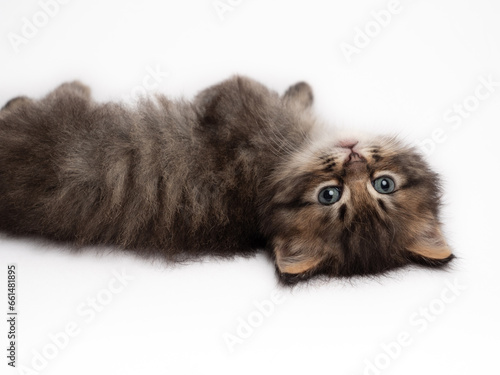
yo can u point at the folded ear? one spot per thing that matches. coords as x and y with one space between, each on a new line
293 259
300 95
431 244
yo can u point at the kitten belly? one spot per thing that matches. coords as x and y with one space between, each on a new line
103 175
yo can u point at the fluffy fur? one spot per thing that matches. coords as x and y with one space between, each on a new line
237 169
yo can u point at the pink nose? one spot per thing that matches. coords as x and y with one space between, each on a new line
348 143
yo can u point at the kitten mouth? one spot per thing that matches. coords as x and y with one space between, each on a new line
354 157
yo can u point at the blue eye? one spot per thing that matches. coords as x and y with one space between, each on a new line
329 195
384 185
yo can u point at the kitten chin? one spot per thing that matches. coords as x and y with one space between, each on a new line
237 168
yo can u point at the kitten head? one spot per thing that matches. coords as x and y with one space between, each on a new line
354 206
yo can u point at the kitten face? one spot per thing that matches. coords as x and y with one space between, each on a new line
354 207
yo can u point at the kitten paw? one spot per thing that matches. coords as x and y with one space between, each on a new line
76 87
15 103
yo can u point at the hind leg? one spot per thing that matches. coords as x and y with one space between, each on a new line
16 102
70 88
75 87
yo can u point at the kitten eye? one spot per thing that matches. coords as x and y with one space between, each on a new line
384 185
329 195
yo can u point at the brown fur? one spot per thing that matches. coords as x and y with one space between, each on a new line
236 169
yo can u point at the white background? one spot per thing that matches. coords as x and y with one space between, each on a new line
174 320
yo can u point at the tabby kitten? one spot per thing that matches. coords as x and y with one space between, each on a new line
237 169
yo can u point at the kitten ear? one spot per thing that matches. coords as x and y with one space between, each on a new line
291 260
431 244
300 94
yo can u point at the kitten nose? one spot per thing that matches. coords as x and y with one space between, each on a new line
348 143
354 155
